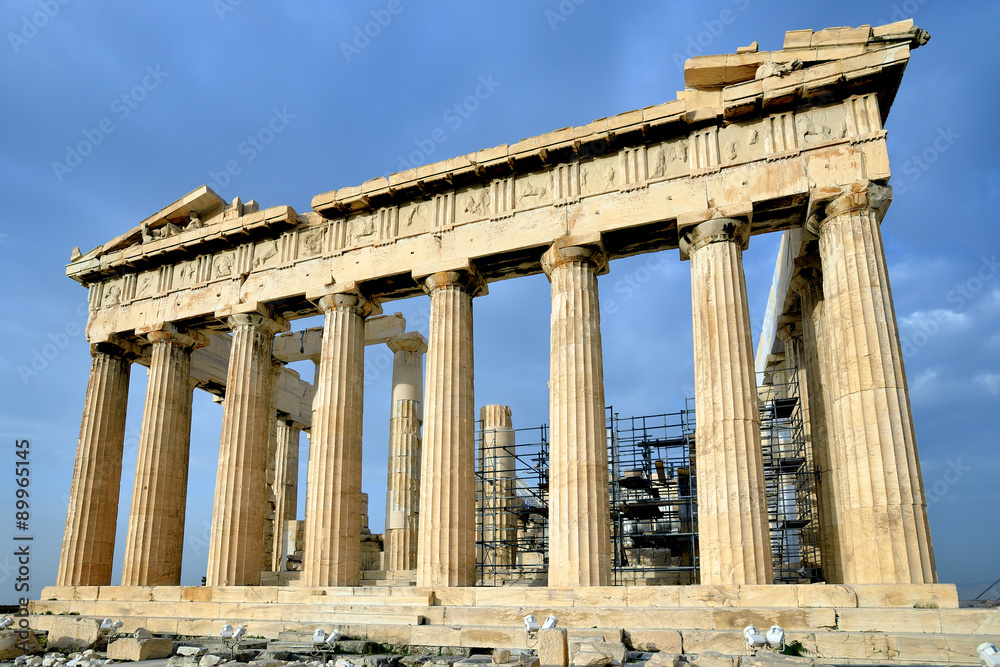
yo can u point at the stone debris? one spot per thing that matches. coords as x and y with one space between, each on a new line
13 645
132 649
591 659
191 650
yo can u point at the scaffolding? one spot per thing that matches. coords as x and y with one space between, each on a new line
653 493
512 506
788 478
652 461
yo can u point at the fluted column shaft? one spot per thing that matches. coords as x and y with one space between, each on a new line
446 551
154 546
332 553
271 524
403 485
733 536
235 549
286 476
883 510
818 425
579 506
496 461
89 540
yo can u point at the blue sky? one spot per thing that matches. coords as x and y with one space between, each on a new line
168 95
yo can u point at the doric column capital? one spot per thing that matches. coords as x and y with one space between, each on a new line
806 281
116 346
253 314
462 274
716 230
170 333
576 249
348 295
788 332
830 202
411 341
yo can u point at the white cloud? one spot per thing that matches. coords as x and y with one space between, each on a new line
922 319
991 381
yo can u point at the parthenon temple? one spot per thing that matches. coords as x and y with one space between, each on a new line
206 293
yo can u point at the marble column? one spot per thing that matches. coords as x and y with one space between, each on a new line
733 535
89 539
286 476
155 543
497 465
272 529
580 551
332 554
446 550
237 533
402 500
808 286
883 510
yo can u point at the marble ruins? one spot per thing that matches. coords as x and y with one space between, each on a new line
205 293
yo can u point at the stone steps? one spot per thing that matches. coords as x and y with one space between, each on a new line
842 624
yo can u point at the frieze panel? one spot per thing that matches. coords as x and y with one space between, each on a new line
741 142
472 204
416 218
146 284
533 190
267 254
668 159
311 242
820 125
599 175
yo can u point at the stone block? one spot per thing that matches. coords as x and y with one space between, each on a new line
435 635
608 634
889 620
768 659
653 596
183 661
715 659
133 649
590 659
970 621
73 633
826 595
492 637
614 650
191 650
16 642
668 641
700 641
553 647
929 596
665 660
576 641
